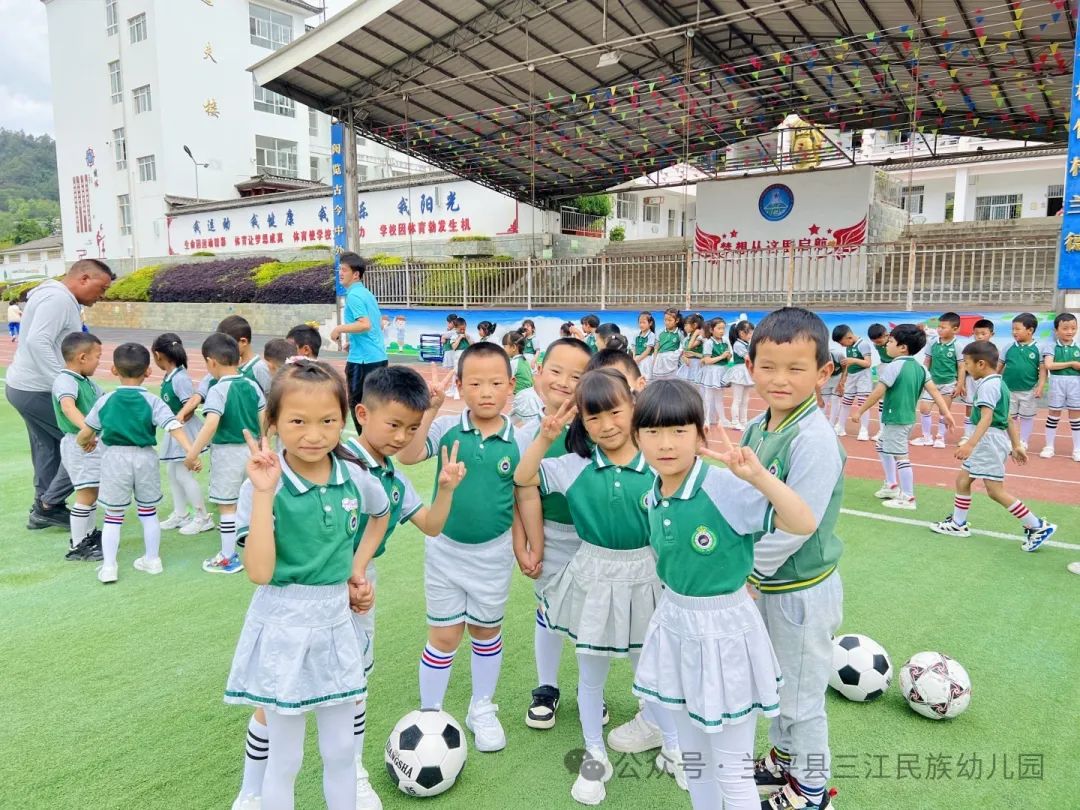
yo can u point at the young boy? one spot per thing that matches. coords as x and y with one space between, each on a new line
395 399
233 403
307 339
796 576
879 337
994 440
276 353
1024 374
982 330
251 365
901 384
587 332
128 419
1062 359
829 397
73 395
467 567
857 381
946 372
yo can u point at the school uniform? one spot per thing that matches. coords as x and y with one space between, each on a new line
945 360
299 649
641 343
238 401
528 408
590 341
529 352
258 372
860 381
176 389
520 373
740 374
691 367
84 469
714 375
449 360
905 380
1065 382
987 459
836 353
1021 375
668 348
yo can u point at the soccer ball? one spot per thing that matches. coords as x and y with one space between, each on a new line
935 685
861 669
425 753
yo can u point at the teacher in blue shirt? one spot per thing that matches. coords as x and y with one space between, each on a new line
362 326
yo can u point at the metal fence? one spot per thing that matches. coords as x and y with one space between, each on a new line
907 275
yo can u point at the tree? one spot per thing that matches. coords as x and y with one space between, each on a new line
27 230
595 204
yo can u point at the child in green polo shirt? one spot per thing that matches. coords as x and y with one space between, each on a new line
879 337
127 420
73 395
526 406
946 372
299 651
706 662
1023 372
251 365
1061 356
665 364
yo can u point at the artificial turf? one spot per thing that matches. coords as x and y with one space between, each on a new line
112 695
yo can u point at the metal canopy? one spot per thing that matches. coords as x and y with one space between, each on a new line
510 93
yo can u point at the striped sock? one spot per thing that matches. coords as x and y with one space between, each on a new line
434 676
781 758
1074 425
1051 429
906 475
256 751
1024 515
151 529
82 521
547 648
864 421
1027 424
227 530
813 795
888 463
961 505
359 727
110 536
486 664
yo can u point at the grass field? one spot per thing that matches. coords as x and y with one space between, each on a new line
112 695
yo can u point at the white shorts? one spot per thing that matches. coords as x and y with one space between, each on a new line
561 543
1023 404
364 624
228 469
987 460
968 394
893 440
449 359
467 582
859 385
1064 392
829 388
127 470
84 469
946 390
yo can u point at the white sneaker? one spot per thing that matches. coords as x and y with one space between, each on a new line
876 436
148 566
887 493
1076 455
922 441
939 443
841 432
107 574
864 436
248 802
1047 452
724 423
589 787
635 737
483 721
366 797
174 521
838 429
900 502
1073 567
198 525
670 760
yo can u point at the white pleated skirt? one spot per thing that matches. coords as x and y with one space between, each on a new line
740 375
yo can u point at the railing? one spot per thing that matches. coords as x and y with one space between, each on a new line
1017 272
575 223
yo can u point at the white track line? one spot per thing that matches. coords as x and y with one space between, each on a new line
957 469
925 524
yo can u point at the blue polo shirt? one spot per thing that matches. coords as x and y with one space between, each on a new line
364 347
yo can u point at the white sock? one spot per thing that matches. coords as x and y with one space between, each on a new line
1074 428
179 497
151 531
906 474
256 750
359 726
339 761
724 755
434 676
486 662
82 521
845 411
1027 425
888 464
661 718
927 425
745 405
192 491
547 647
864 421
1051 428
592 675
736 398
284 760
110 536
227 530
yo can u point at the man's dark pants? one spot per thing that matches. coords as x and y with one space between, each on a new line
355 374
51 482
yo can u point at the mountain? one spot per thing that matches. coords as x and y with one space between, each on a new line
29 197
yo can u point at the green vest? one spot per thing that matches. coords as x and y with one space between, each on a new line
668 341
902 397
1000 419
1066 354
523 377
88 394
1021 371
641 343
944 362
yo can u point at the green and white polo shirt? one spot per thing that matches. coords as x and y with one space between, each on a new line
882 353
992 392
945 360
607 500
861 349
642 342
522 374
1021 372
239 402
590 341
317 527
258 372
836 354
129 416
1062 353
668 340
740 350
803 453
553 504
85 392
703 533
176 388
716 348
905 380
404 501
483 506
697 351
529 347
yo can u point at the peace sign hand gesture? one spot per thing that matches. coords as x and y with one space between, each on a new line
452 470
439 389
742 461
552 426
263 468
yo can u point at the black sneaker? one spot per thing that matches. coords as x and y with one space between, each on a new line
545 703
767 774
40 518
607 717
89 548
788 798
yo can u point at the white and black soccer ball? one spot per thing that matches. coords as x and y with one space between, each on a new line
861 669
425 752
935 685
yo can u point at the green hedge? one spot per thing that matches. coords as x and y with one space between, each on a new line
265 273
15 292
440 284
134 287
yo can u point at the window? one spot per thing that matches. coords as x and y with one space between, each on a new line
147 169
124 203
271 102
112 19
275 156
361 173
119 148
626 207
116 82
313 122
911 198
999 206
137 28
651 213
314 163
269 29
141 97
1055 199
950 205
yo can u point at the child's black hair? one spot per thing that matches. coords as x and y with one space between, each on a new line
712 324
839 332
950 318
909 335
651 319
736 329
590 320
236 327
530 323
669 403
305 372
171 348
876 331
678 316
692 319
982 350
618 343
1064 317
486 328
612 336
572 342
789 324
459 321
305 335
221 348
75 343
399 384
601 390
131 360
514 338
279 350
1027 320
566 329
482 349
611 357
451 318
984 323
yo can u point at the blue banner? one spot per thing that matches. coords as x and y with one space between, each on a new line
337 180
1069 263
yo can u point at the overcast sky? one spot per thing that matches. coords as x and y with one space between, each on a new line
25 98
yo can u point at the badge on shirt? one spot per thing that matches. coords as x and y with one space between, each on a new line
504 466
395 495
703 541
350 504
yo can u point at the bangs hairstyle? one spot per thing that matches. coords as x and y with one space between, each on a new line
982 350
669 403
617 359
590 320
516 339
1027 320
790 324
279 350
305 374
648 318
222 349
236 327
601 390
713 323
1064 317
77 342
910 336
131 359
984 323
304 335
171 348
876 331
737 329
399 384
678 316
950 318
484 349
570 342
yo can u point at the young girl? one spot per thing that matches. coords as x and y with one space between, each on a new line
528 329
602 599
645 343
486 330
739 377
189 510
668 346
693 344
714 373
707 661
299 650
608 335
449 357
527 407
